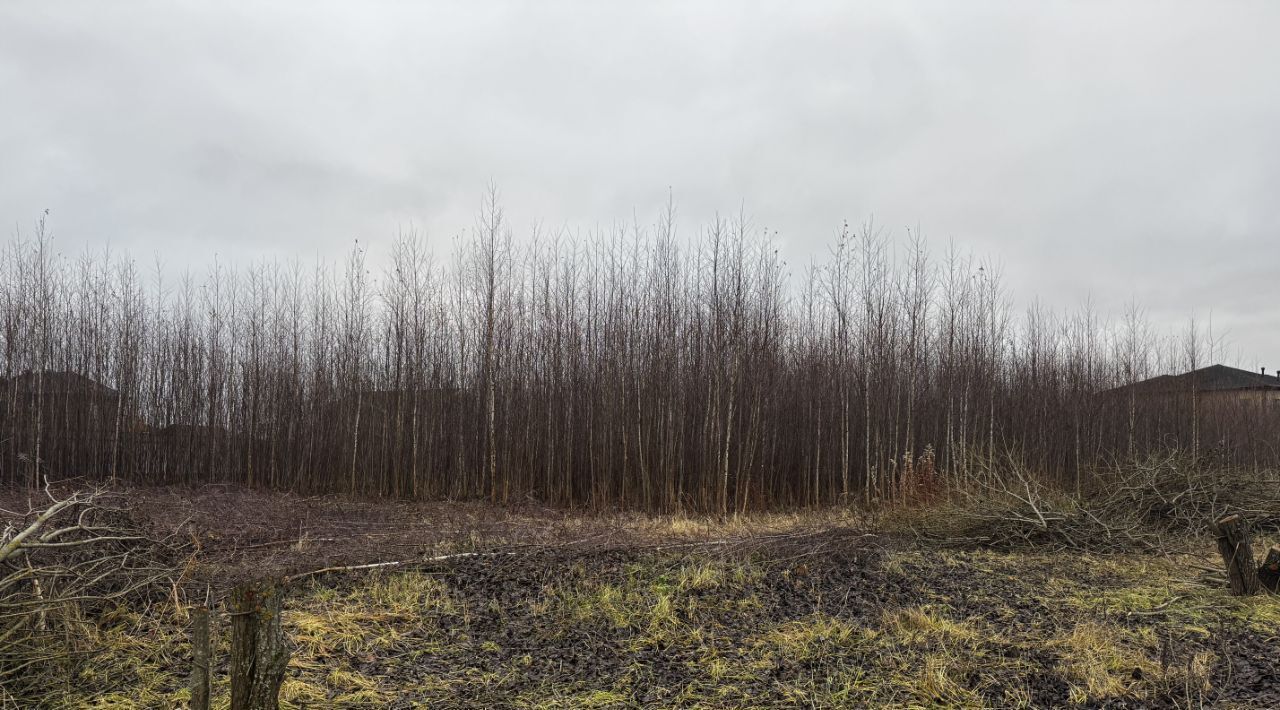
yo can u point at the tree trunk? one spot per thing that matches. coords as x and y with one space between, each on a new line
201 679
1269 572
258 650
1237 554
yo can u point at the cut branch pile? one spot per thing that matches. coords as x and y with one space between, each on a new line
63 562
1142 506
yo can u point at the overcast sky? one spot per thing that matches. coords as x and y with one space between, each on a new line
1119 150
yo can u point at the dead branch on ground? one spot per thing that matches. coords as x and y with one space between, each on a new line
1147 505
65 559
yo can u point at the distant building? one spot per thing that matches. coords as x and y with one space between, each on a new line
59 382
56 421
1216 383
68 395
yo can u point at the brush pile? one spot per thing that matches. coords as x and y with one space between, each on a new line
65 561
1148 505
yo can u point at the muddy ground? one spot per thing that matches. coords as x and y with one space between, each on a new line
844 624
562 610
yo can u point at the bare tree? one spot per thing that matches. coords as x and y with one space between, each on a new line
619 366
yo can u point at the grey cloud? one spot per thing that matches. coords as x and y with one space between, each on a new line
1114 150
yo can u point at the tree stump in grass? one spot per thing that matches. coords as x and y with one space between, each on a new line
201 677
259 652
1269 572
1237 554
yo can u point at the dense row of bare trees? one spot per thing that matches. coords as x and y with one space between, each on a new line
630 366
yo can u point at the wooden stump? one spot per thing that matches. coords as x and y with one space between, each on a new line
258 649
1269 572
201 678
1237 554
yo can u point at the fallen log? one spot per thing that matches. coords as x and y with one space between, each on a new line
393 563
1237 554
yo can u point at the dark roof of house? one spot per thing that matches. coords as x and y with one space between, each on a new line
60 382
1215 378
